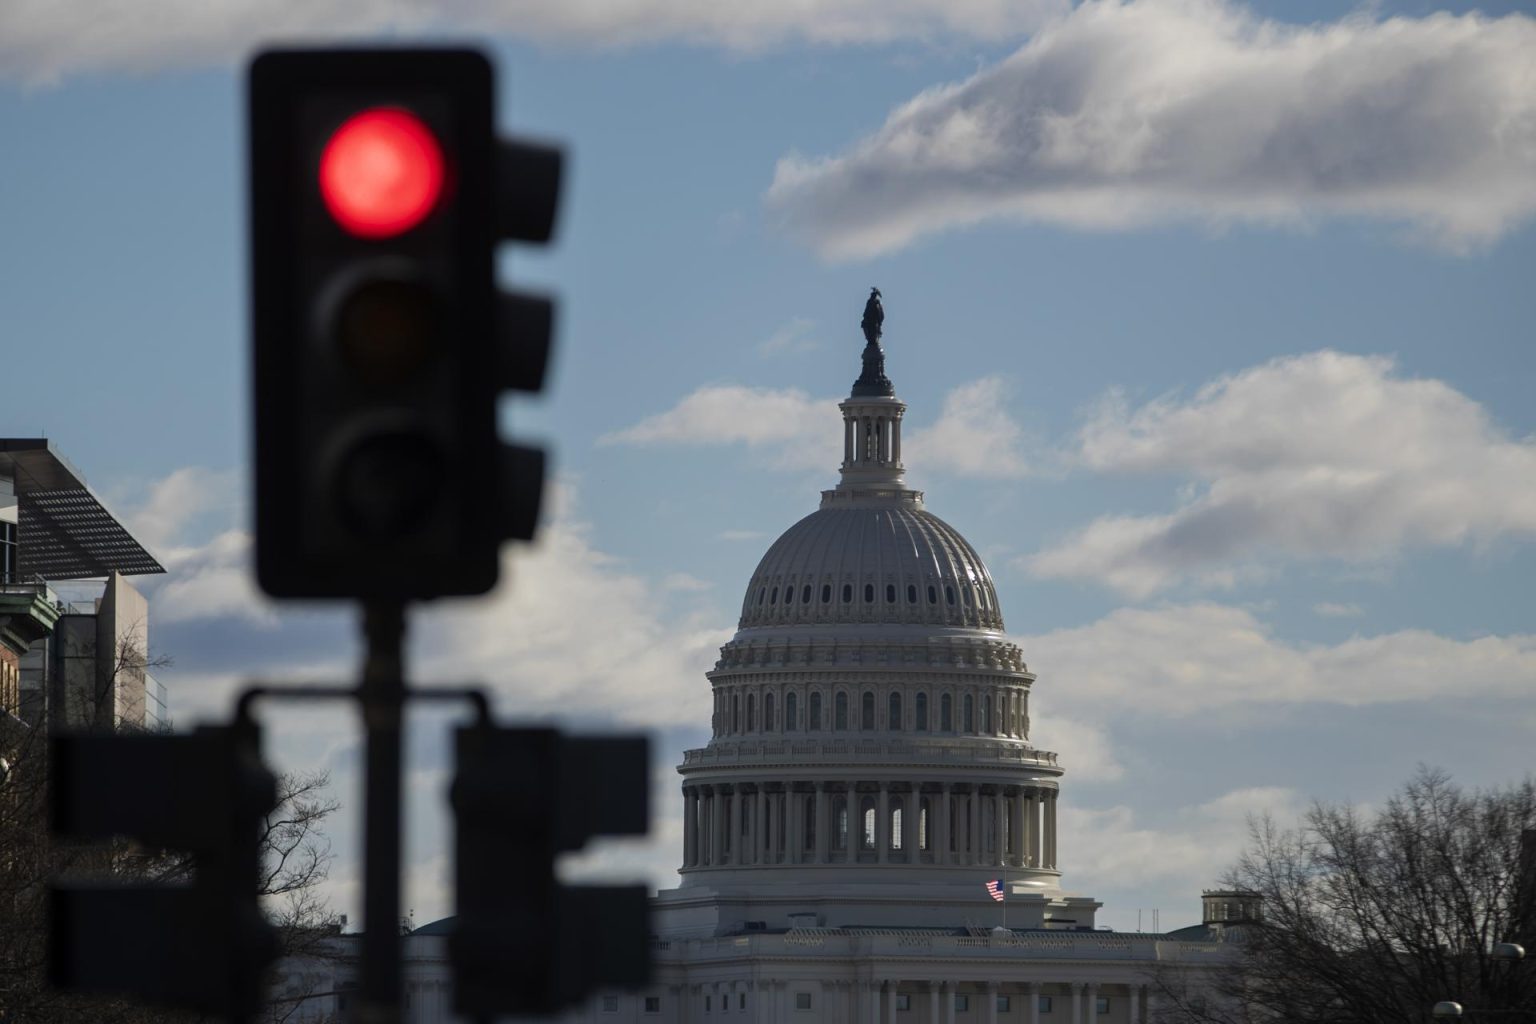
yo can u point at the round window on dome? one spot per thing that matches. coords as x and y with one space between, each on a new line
805 594
949 593
933 595
789 594
773 598
869 593
847 593
911 593
762 593
890 593
826 593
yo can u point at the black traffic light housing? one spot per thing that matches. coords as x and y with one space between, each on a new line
522 943
380 341
203 943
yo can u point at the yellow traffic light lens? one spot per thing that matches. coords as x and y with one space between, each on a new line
384 331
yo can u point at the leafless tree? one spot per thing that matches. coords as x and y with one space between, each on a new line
1372 917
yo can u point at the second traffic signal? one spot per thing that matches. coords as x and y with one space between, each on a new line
379 193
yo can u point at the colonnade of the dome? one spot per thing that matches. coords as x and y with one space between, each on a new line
768 823
983 708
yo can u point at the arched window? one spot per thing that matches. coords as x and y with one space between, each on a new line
789 594
767 712
762 592
847 593
920 707
890 593
791 712
805 594
924 809
949 594
840 712
946 714
869 593
969 720
813 713
911 593
840 812
867 817
751 707
826 593
735 713
986 714
773 598
867 711
895 822
893 713
933 595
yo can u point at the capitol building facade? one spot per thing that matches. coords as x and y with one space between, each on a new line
871 769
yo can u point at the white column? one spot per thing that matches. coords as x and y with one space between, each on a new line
771 837
734 827
871 998
1032 993
882 825
1091 1003
1050 828
975 841
1032 827
991 998
823 826
1151 1006
760 830
1077 1002
933 1001
949 1003
794 823
1016 828
717 827
890 1004
999 819
911 814
690 828
942 848
1134 996
896 439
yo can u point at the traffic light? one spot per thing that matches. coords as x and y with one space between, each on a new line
522 943
379 192
202 944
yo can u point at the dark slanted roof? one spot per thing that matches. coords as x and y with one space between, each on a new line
63 531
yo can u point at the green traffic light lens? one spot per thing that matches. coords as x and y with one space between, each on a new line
384 330
389 484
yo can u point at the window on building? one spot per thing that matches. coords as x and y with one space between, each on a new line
969 718
867 813
802 1000
773 596
707 1002
767 712
610 1004
735 712
841 838
1044 1004
1003 1003
949 594
922 824
808 819
869 593
895 822
813 717
8 553
826 593
867 711
789 594
933 595
805 594
911 593
946 714
893 715
791 712
986 714
903 1001
962 1004
920 713
890 593
1101 1004
840 712
847 593
741 1000
751 708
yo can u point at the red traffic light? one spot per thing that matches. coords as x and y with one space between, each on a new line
381 173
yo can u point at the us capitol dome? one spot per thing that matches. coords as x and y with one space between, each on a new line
870 762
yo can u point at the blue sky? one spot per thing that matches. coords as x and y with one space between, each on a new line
1214 329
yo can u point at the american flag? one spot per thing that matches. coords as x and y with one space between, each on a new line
995 888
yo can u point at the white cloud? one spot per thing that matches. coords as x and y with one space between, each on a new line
1084 748
1124 114
1337 610
742 535
799 432
41 40
1324 455
1188 849
793 336
569 631
974 436
1192 659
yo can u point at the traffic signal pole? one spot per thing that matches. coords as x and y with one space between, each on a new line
381 699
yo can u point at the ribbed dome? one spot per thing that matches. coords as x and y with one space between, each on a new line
872 562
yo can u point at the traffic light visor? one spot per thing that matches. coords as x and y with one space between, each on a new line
381 173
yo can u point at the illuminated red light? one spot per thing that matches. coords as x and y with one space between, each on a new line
381 173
